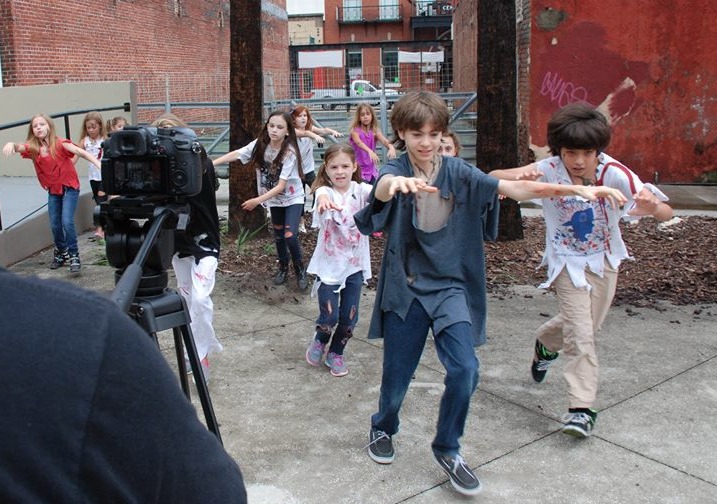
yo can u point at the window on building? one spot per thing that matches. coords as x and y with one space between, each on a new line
354 62
389 60
352 10
388 9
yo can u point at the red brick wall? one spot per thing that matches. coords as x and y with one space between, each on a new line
177 45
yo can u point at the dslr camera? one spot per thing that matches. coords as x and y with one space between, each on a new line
160 162
150 174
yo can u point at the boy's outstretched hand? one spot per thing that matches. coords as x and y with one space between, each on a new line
646 204
614 196
407 185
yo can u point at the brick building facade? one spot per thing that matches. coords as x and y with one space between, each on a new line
370 34
174 48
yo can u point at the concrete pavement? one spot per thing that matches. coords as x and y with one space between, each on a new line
299 433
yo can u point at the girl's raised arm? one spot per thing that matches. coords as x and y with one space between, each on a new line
391 150
326 131
9 148
77 151
310 134
226 158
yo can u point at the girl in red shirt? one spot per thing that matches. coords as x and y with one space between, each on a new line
52 157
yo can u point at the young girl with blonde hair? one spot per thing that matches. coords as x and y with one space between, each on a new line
364 131
92 134
52 157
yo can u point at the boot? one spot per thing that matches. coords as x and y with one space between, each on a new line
59 258
301 279
75 265
280 275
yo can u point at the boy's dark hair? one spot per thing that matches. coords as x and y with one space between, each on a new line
414 110
578 126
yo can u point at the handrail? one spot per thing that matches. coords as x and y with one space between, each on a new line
125 107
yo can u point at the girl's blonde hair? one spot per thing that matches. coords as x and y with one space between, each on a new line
93 116
356 121
298 110
111 123
34 143
169 120
322 179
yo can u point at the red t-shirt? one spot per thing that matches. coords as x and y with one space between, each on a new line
55 172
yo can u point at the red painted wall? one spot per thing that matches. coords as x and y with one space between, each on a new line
651 66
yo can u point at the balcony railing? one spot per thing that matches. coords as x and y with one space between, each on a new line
386 12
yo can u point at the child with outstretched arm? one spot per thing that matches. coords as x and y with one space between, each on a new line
438 211
583 249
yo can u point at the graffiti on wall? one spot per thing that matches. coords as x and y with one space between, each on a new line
576 65
562 92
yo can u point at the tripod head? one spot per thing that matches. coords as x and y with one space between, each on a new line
141 253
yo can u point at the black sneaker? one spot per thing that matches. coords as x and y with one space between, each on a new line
59 258
542 361
462 478
380 446
579 422
75 264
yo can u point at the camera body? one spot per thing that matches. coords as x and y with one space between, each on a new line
147 161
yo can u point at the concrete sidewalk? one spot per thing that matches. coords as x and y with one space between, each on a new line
299 434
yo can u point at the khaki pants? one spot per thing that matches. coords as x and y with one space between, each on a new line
573 330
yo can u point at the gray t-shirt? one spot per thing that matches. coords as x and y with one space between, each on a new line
444 269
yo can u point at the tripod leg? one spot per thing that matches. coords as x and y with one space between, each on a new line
199 380
181 364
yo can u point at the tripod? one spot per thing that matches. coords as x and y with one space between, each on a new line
144 295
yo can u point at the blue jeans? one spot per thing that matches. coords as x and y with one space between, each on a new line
338 308
286 230
402 348
61 210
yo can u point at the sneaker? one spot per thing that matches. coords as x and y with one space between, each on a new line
302 226
579 422
377 234
542 361
337 364
315 353
59 258
462 478
75 264
380 446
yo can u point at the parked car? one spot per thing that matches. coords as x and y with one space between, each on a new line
360 89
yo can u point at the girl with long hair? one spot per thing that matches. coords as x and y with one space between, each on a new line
276 157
